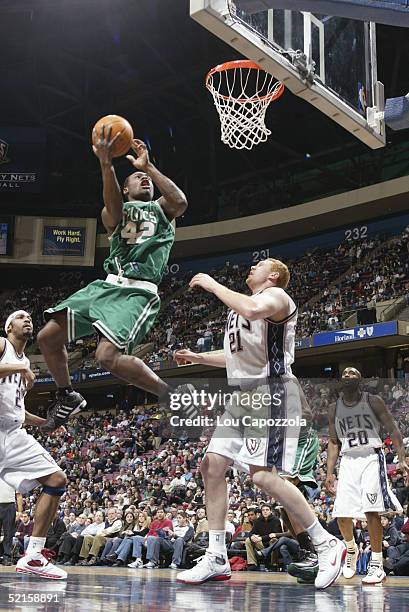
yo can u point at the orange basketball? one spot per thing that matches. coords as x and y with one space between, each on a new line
117 124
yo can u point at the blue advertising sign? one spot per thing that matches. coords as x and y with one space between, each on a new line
363 332
59 240
302 343
79 376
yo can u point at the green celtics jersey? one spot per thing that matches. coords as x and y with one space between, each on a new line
141 242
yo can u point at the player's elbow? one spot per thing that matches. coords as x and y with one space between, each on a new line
252 313
180 205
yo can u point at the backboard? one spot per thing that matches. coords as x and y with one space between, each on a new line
389 12
328 61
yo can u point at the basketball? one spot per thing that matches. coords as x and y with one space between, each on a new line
117 124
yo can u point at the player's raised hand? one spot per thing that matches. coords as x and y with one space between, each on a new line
28 378
204 281
330 484
184 357
141 161
104 144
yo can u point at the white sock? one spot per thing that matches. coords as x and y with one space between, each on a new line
351 546
35 546
376 558
217 541
317 533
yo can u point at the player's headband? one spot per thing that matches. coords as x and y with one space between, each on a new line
13 315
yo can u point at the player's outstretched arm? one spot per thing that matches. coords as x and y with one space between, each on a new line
173 200
111 191
185 357
384 416
272 303
33 419
28 377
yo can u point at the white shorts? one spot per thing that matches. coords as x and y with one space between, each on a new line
363 486
23 460
265 446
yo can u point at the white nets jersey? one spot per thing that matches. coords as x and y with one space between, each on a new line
259 349
357 426
12 391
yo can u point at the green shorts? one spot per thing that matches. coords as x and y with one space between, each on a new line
123 312
306 457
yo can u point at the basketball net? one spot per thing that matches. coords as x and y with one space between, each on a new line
242 92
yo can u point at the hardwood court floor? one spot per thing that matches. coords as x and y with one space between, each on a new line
120 590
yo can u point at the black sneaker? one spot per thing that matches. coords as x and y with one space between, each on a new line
7 561
306 568
189 422
66 405
309 581
191 411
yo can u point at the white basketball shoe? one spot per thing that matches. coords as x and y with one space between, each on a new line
40 565
349 568
209 567
331 555
375 574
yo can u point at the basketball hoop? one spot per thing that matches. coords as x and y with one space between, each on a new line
242 92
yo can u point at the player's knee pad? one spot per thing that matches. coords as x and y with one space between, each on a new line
54 491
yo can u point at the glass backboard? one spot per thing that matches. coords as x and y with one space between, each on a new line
328 61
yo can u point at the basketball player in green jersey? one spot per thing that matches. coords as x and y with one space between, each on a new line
123 307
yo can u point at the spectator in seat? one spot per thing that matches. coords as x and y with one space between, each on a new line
174 514
400 567
364 543
208 339
141 528
397 561
400 488
390 534
178 487
262 535
198 496
92 545
156 529
24 531
55 532
174 540
200 540
231 517
285 545
95 527
127 531
166 487
202 525
242 532
254 513
68 538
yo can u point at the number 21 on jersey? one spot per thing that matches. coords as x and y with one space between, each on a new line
234 327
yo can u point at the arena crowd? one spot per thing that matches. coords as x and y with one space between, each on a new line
328 284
